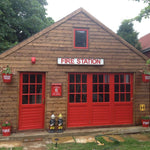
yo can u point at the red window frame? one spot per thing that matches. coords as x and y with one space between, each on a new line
86 47
36 86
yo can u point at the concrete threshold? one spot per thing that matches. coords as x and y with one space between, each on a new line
41 135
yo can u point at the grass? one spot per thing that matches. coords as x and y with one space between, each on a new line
128 144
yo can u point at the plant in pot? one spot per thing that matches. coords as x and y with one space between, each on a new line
6 128
146 72
145 121
7 74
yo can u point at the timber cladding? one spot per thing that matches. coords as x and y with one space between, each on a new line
55 42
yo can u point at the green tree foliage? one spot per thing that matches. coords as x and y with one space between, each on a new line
20 19
145 13
127 32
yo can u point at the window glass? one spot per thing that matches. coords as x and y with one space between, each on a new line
71 89
24 99
78 78
25 78
32 78
84 98
94 78
84 78
94 87
32 99
101 88
39 78
84 88
25 88
106 97
72 78
78 98
94 97
100 78
71 98
80 38
39 88
116 78
100 97
39 99
78 88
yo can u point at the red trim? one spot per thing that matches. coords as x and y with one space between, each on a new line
86 39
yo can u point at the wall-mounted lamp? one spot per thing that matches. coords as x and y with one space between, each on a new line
33 60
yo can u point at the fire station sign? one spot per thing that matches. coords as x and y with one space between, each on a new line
80 61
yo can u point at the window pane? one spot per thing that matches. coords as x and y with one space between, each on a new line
94 97
25 78
106 97
94 87
122 88
71 98
127 87
116 87
116 97
84 98
84 88
106 78
127 97
121 78
32 78
80 38
116 78
84 78
107 88
39 78
71 89
32 88
100 78
25 89
78 88
32 99
39 99
94 78
122 97
127 78
39 88
100 97
24 99
71 78
78 98
101 88
78 78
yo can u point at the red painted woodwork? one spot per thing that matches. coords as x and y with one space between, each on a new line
96 99
32 101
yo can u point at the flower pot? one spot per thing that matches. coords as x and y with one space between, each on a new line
6 77
145 122
145 77
6 130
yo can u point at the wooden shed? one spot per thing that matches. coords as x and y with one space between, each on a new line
77 67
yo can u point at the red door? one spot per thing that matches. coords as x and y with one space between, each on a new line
99 99
31 106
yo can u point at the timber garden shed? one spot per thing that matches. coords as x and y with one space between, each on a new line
77 67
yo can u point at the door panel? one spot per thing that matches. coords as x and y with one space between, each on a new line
32 95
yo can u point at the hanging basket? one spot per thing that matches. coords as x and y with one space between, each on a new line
145 77
6 77
6 131
145 122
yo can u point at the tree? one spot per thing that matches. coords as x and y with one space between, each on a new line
20 19
145 13
127 32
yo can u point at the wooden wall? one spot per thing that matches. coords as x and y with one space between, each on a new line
58 42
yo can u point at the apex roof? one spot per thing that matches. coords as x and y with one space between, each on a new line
145 41
53 26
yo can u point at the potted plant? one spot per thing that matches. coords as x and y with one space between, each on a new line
145 121
146 72
7 74
6 128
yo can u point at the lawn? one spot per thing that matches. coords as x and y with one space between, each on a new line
128 144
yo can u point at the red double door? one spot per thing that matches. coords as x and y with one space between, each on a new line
97 99
31 105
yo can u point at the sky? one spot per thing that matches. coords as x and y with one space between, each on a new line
109 12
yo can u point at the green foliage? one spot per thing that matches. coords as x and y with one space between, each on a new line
7 70
127 32
144 13
20 19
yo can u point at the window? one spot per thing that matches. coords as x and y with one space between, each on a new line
81 38
101 88
122 87
78 88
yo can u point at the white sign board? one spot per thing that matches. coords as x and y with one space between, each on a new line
80 61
